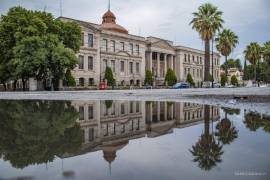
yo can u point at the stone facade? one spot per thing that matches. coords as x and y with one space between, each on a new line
109 125
129 56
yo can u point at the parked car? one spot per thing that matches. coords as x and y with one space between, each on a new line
181 85
217 85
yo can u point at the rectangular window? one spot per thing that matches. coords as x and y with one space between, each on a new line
122 108
82 39
105 64
113 46
122 66
131 48
185 71
81 113
105 45
137 68
137 106
81 63
90 112
189 58
185 59
90 63
90 40
91 82
130 67
130 107
122 46
138 49
91 134
193 58
113 65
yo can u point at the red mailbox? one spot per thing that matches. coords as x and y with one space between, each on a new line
102 86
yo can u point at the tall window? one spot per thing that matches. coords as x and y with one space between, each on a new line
81 81
90 40
200 60
189 58
137 106
185 59
113 65
90 112
193 58
122 66
90 63
105 44
130 107
82 39
138 49
112 45
105 64
130 67
137 68
122 46
81 113
81 63
131 48
122 108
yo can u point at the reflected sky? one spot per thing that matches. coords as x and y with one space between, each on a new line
131 140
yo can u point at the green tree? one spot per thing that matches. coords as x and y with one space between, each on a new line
266 57
109 76
170 77
231 63
234 80
33 44
223 80
207 21
226 42
190 80
253 54
148 78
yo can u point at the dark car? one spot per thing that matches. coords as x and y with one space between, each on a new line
181 85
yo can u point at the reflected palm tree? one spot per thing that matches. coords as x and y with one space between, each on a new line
254 121
207 151
226 131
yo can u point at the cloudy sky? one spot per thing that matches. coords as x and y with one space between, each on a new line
168 19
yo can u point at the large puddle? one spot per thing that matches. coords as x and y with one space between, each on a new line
131 140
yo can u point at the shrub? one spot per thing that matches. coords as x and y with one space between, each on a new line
170 77
109 77
190 80
148 78
223 80
69 79
234 80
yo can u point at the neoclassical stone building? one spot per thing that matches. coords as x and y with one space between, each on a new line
129 56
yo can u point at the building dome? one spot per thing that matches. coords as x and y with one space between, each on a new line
109 23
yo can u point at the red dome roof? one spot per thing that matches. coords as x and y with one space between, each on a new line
109 23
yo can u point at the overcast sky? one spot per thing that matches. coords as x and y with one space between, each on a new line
168 19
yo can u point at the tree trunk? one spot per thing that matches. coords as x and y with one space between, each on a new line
268 71
226 66
55 83
23 82
5 86
206 60
255 75
14 85
206 119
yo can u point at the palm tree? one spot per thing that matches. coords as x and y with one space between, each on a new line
207 21
266 57
226 42
207 151
253 54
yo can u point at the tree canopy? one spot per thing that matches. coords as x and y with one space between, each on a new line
34 44
170 77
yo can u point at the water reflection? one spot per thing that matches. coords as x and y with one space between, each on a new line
35 132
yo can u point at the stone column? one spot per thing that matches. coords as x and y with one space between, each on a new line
150 62
165 111
171 61
158 64
165 65
158 111
32 84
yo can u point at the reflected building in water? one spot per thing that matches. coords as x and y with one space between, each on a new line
109 125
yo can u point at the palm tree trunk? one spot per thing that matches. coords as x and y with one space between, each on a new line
206 120
226 66
206 60
255 75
